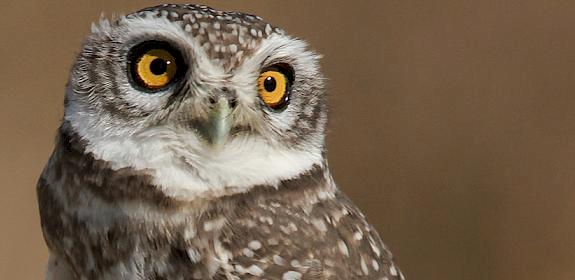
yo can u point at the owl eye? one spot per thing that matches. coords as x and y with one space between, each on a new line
154 66
274 86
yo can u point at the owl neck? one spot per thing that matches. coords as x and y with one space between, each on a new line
76 169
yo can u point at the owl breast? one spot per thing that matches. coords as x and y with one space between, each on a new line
261 234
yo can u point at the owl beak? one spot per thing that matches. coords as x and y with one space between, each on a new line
219 122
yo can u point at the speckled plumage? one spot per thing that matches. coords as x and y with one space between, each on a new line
132 190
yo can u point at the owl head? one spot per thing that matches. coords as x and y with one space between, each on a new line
201 100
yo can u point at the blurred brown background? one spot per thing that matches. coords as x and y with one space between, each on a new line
453 124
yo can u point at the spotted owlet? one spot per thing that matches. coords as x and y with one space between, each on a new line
192 147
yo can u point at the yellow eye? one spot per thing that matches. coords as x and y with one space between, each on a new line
273 88
154 68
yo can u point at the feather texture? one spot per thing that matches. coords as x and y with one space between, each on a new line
134 191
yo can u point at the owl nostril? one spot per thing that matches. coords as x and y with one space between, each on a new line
212 100
233 102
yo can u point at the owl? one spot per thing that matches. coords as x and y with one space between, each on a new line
193 147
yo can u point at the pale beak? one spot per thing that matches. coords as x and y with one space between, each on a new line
219 123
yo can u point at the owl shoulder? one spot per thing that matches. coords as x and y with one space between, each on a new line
325 239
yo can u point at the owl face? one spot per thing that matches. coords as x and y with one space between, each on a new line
202 100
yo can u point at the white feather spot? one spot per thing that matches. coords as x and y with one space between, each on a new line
375 265
194 255
268 29
240 269
188 28
255 245
291 275
374 246
214 224
255 270
248 253
273 241
319 224
343 248
363 266
279 260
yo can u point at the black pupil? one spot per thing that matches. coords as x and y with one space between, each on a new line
158 66
270 84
